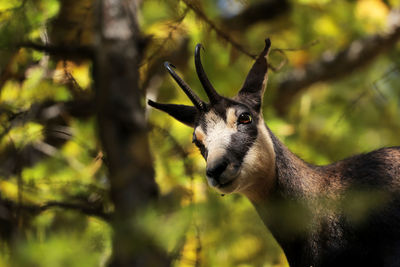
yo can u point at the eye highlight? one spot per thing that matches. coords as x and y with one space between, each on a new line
244 118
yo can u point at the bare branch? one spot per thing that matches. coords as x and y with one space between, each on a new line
198 247
359 54
161 47
214 27
83 208
47 110
90 209
60 50
177 149
257 12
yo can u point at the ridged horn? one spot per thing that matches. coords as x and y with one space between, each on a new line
197 102
210 91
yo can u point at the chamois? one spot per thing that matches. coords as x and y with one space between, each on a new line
308 209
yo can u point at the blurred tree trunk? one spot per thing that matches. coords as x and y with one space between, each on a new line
123 132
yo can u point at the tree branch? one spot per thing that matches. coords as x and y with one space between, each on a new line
257 12
43 111
60 50
90 209
359 54
214 27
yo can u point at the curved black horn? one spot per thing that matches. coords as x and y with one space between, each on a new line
197 102
211 92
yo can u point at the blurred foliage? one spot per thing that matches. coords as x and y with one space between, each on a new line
48 154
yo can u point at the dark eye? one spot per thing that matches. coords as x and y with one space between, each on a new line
244 118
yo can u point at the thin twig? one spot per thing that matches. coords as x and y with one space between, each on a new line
168 38
220 32
71 79
198 247
178 148
304 47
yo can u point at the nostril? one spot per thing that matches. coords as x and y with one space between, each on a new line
216 169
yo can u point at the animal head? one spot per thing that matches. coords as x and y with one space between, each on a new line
230 132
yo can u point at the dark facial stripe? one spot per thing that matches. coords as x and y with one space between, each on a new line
203 124
221 108
241 142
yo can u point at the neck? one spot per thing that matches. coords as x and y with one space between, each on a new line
288 210
295 178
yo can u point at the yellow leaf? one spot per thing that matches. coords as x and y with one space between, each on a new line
372 12
326 26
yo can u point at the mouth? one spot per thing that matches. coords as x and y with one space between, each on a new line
226 185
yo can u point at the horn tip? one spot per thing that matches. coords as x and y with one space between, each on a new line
267 43
156 105
169 65
151 103
199 46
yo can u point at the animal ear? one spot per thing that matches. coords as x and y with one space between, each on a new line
254 86
184 114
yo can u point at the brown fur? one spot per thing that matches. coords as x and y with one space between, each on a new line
346 213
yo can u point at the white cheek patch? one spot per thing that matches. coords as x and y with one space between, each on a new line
219 134
258 165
